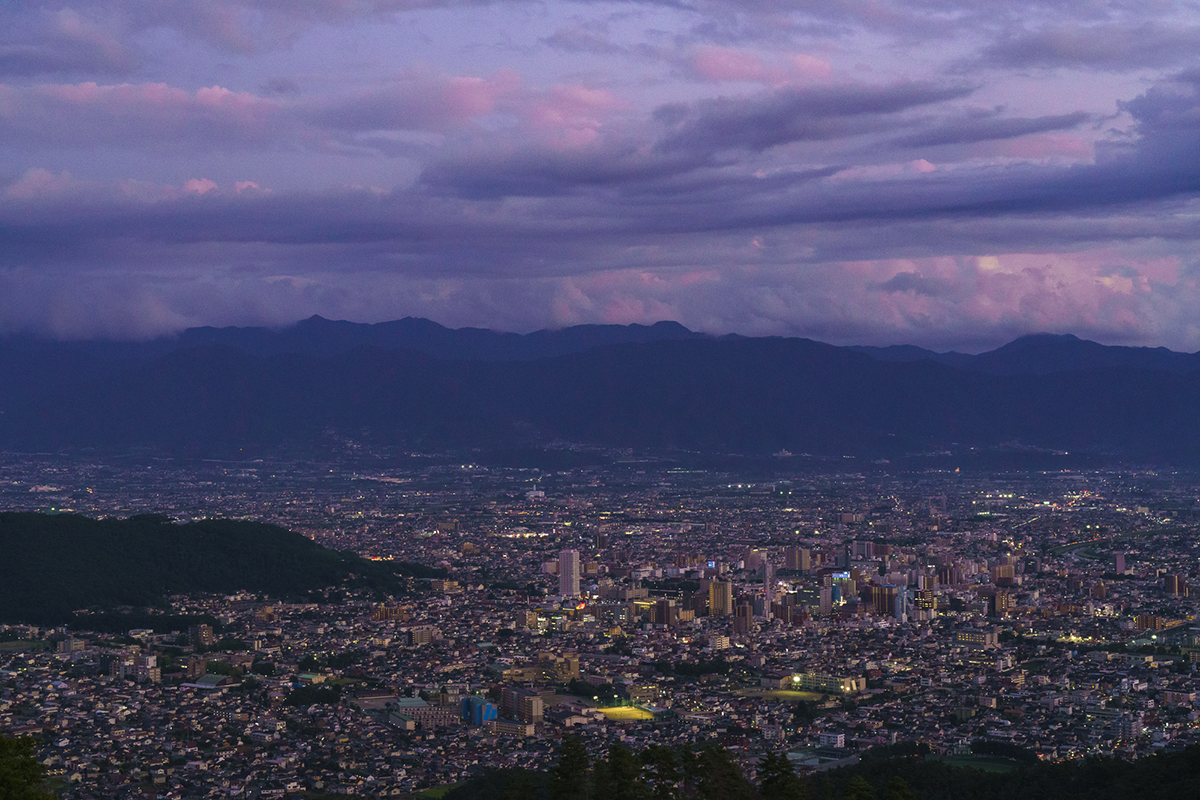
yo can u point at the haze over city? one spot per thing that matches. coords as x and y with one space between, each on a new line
951 174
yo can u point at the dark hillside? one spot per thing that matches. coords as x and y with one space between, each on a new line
55 565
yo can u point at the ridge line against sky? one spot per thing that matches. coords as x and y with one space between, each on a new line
946 174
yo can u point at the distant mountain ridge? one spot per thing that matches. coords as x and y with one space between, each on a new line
1033 354
1044 354
324 337
417 384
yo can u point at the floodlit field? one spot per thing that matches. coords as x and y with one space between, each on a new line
625 713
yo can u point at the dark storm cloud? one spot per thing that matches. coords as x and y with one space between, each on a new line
62 42
989 127
1107 46
795 114
914 282
610 194
583 39
638 175
545 172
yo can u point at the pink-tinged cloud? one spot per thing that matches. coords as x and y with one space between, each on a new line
147 115
157 116
571 116
1050 145
38 182
727 64
200 186
808 67
419 100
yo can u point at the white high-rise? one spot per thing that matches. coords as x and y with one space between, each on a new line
568 573
768 571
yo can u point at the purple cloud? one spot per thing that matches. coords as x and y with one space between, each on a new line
820 169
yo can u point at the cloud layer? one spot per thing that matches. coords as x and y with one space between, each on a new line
948 174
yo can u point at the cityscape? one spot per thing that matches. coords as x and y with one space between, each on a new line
824 615
599 400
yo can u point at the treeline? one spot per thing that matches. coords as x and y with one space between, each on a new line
900 773
656 773
55 565
120 622
693 669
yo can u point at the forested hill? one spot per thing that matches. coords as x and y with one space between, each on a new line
54 565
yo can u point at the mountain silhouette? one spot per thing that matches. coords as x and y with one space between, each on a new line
656 387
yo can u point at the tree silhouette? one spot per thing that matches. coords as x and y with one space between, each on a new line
569 777
625 771
857 788
664 771
20 773
778 781
717 777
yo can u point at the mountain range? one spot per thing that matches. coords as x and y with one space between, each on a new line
415 384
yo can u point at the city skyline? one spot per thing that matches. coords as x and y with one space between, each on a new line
1039 618
859 173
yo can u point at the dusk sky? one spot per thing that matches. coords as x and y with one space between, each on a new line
944 173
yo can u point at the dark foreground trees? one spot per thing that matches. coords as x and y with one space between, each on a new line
20 773
656 773
900 773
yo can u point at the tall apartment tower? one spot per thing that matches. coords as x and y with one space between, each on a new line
568 573
201 635
798 558
720 598
902 603
768 572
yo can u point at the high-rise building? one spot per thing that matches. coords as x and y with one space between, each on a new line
665 612
826 602
998 604
720 598
521 704
568 573
884 599
201 635
743 619
768 588
1118 564
798 558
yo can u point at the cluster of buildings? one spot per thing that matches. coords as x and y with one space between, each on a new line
817 615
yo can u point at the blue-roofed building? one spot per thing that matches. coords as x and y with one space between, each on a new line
477 710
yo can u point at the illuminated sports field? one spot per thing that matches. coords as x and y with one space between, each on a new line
625 713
